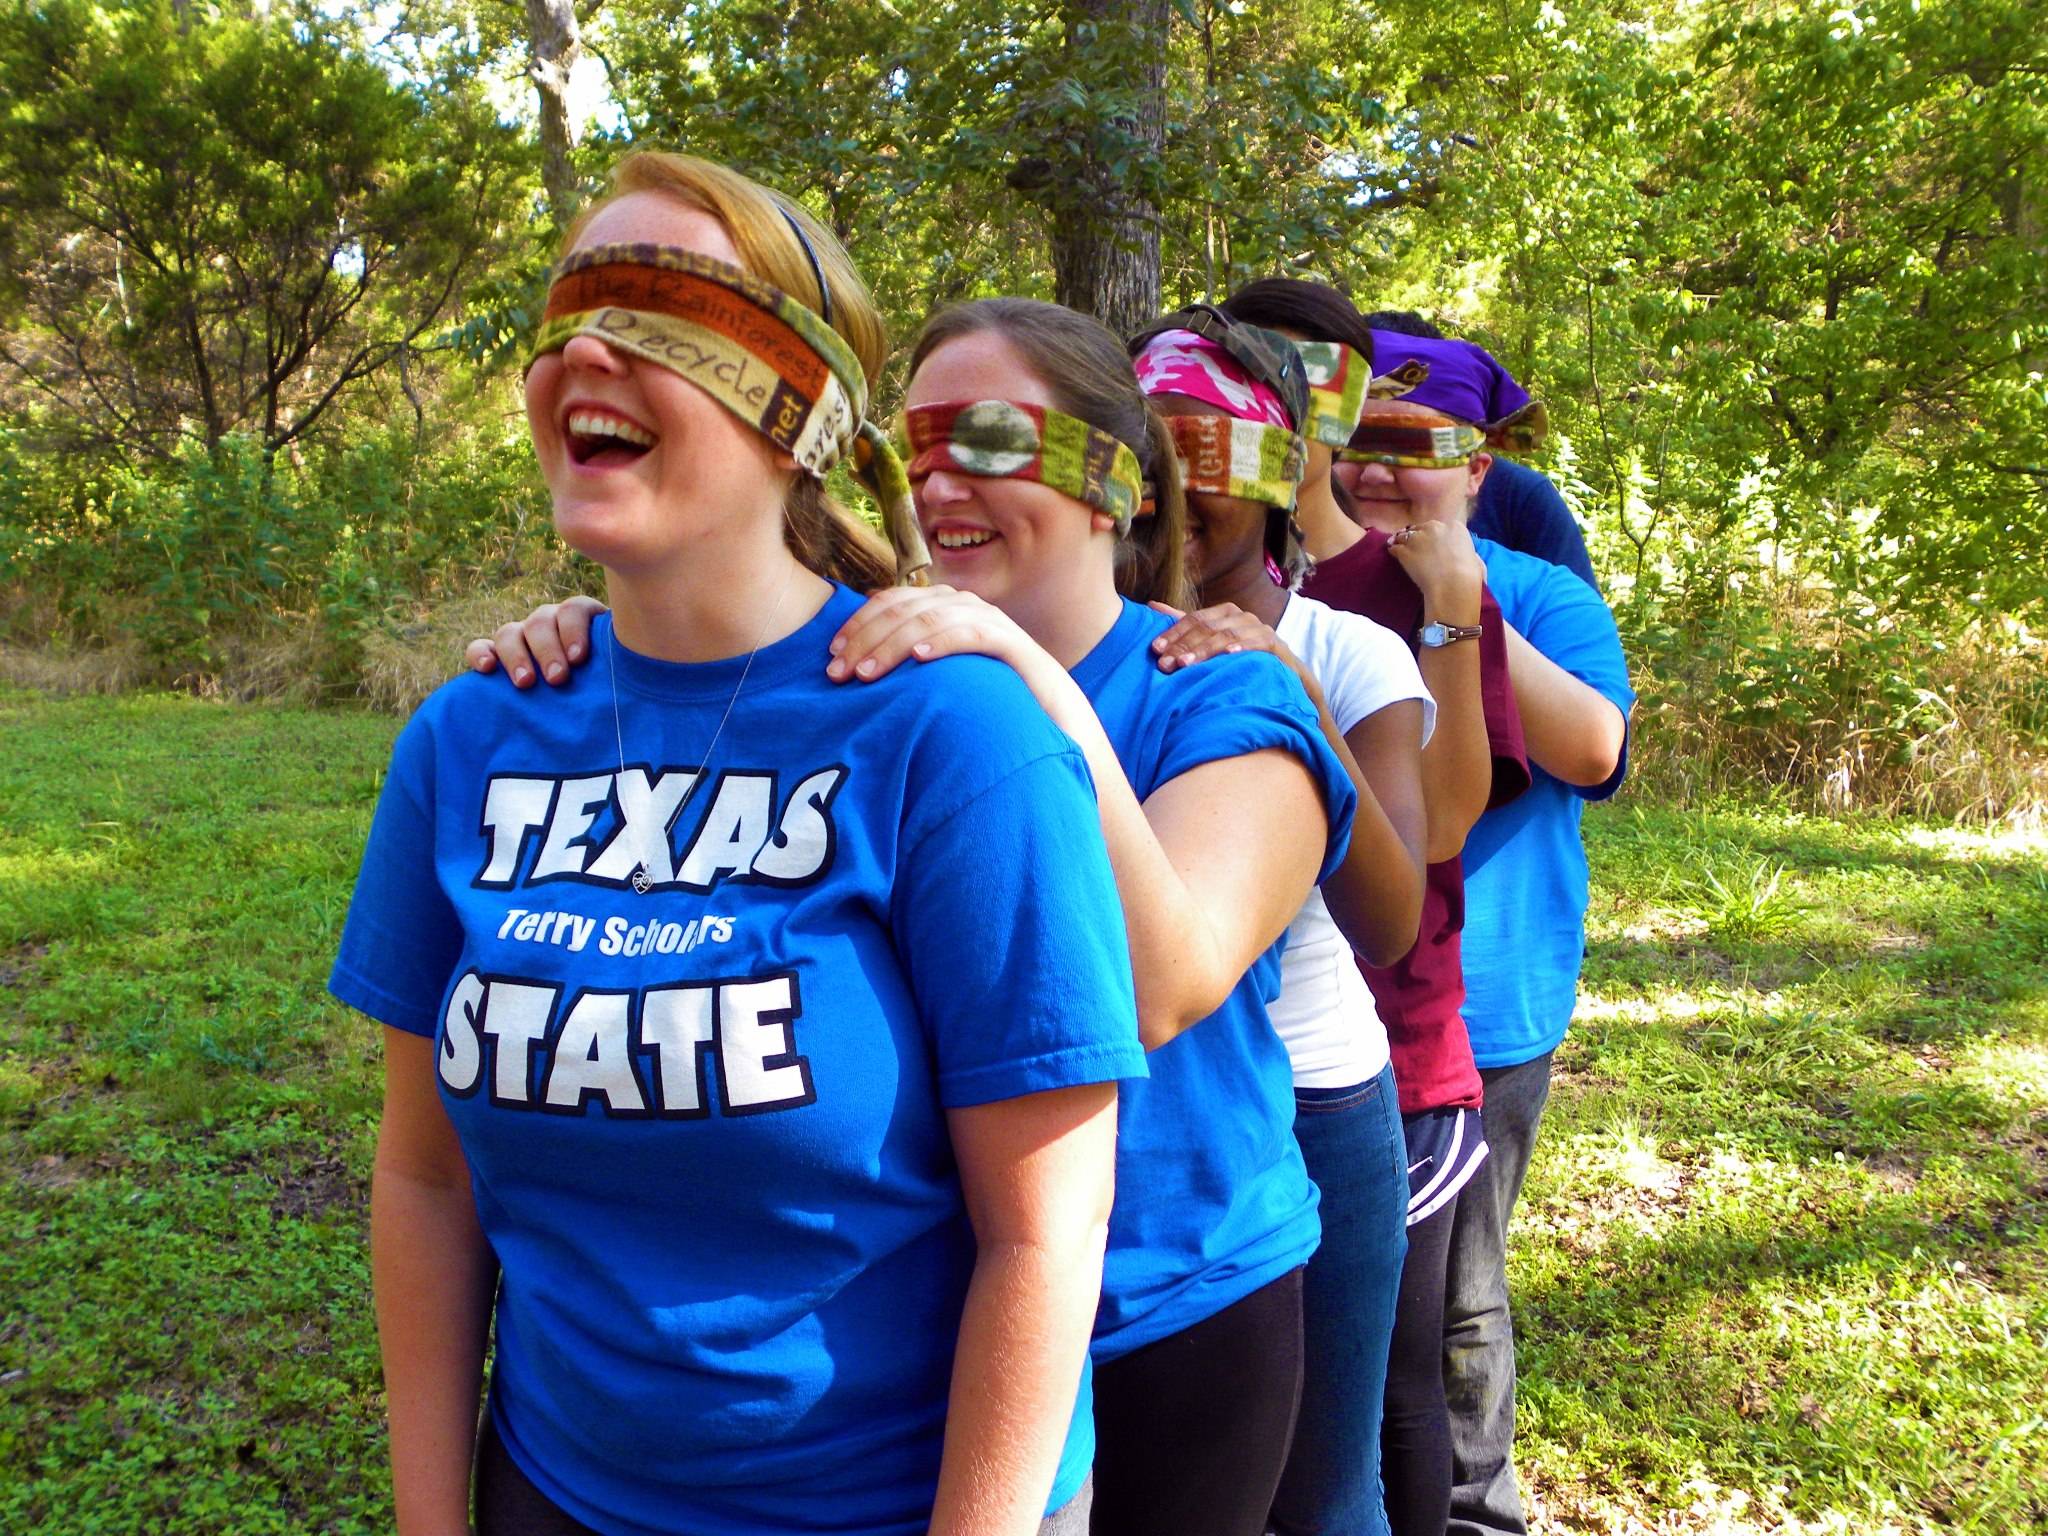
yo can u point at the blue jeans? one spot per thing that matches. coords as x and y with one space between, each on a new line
1351 1140
1479 1332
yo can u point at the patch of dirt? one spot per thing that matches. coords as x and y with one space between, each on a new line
1653 1197
308 1186
56 1171
53 1171
15 962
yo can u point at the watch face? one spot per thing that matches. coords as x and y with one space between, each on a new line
1433 634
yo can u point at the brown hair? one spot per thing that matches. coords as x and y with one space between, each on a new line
829 539
1314 310
1088 374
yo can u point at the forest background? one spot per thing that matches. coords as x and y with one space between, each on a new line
1780 268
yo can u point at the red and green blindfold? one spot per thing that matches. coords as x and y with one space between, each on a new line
1338 379
1413 441
771 361
1006 440
1230 456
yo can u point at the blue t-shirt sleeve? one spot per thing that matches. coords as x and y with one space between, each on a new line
1229 706
403 938
1010 931
1571 625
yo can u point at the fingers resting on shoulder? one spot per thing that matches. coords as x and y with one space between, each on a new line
920 623
548 642
1213 631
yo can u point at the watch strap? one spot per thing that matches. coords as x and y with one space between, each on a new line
1436 635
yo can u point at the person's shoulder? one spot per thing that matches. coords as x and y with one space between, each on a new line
1524 481
1237 678
1518 578
967 731
969 719
954 693
470 701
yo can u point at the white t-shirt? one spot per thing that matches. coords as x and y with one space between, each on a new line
1325 1011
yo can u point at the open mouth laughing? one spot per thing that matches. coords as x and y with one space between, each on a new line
602 439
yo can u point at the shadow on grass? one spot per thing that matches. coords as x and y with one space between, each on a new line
1646 1273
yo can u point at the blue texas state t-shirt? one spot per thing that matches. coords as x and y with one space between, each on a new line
1212 1198
1526 877
705 1125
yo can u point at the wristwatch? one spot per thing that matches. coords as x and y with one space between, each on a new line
1436 636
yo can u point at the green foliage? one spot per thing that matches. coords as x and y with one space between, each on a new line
1778 1265
1796 300
178 265
1842 704
180 560
1781 271
188 1342
1742 907
898 124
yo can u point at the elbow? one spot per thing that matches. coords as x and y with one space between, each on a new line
1596 754
1445 842
1179 989
1380 923
1164 1020
1450 825
1395 937
1071 1242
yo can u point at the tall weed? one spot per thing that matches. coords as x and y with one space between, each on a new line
1837 707
225 571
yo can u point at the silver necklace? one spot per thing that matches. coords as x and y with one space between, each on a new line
640 882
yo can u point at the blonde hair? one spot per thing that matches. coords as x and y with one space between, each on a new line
836 543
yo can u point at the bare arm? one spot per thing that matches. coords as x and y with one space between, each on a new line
1375 895
433 1275
1037 1173
1210 870
1457 765
1227 854
1573 732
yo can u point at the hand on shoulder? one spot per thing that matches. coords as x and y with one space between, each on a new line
546 643
902 624
1221 630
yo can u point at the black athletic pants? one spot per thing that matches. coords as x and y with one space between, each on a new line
1415 1436
1191 1432
507 1503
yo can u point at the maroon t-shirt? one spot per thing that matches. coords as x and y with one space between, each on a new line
1419 997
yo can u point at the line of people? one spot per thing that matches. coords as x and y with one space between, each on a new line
1006 1139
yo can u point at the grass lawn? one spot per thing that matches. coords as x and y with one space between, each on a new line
1780 1263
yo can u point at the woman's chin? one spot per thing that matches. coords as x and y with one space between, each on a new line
604 539
977 577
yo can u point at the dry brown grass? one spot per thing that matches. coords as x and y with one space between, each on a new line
402 665
1972 747
63 669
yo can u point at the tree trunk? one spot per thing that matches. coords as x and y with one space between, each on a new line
554 45
1105 226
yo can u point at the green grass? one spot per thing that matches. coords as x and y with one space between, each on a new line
1780 1267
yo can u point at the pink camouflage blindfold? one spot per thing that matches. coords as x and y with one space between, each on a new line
1182 363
